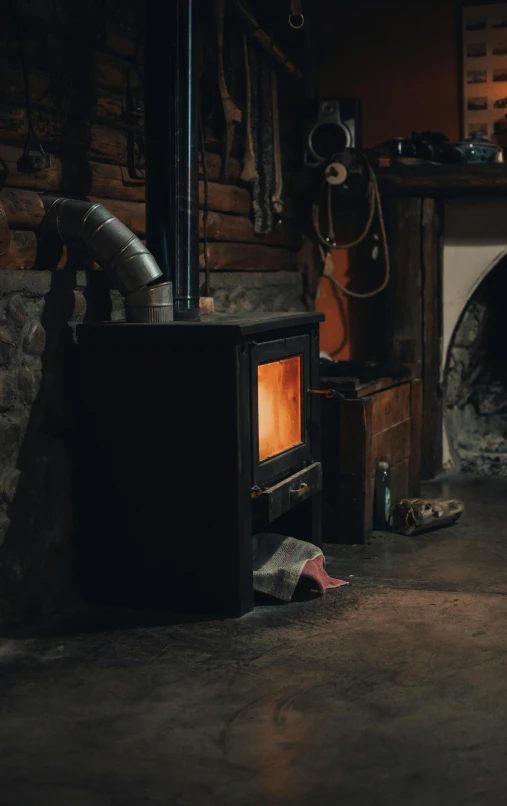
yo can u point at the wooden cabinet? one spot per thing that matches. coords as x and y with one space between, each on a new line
370 423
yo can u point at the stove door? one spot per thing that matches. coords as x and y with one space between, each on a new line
280 378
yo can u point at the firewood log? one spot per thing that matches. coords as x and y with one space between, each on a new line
413 515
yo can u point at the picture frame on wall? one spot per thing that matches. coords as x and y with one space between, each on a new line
484 71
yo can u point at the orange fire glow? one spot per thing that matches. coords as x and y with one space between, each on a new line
279 385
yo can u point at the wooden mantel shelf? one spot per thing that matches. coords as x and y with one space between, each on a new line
438 181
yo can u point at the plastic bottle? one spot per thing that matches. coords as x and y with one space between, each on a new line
382 498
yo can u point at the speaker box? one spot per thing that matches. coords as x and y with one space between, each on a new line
332 125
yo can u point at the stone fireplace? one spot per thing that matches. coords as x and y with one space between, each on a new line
474 354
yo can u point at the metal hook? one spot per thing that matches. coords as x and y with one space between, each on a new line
295 25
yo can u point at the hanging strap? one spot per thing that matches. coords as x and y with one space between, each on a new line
232 113
26 163
135 139
277 158
249 172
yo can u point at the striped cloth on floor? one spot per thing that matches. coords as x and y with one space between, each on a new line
280 562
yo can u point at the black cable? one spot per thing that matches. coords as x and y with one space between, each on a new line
31 134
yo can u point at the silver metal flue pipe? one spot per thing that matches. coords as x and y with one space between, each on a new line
129 264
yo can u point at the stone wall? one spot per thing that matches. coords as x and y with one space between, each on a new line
476 385
257 291
39 312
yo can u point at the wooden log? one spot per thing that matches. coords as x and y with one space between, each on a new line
103 106
246 257
132 214
26 252
97 142
122 44
45 51
23 208
38 14
22 251
214 167
110 71
222 227
226 198
23 254
71 175
114 182
12 85
414 515
85 172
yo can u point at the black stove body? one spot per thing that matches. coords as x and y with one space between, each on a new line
184 455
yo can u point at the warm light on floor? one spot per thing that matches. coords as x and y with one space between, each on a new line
279 390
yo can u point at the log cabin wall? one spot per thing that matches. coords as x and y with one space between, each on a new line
84 64
85 80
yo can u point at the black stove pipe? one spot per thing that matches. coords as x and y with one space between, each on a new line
172 168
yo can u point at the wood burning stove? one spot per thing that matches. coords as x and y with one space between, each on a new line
196 435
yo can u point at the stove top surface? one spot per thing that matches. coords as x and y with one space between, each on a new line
245 323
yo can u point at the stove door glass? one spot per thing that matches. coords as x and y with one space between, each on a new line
279 406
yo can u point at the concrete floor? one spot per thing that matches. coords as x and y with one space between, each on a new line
390 691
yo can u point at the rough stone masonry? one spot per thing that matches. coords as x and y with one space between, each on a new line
476 391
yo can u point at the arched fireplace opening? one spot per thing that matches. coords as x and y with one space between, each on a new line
475 382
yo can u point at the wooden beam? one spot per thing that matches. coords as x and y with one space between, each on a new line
431 268
443 181
404 293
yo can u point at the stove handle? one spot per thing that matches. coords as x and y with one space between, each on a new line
328 393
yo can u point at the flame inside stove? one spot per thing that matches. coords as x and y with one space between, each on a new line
279 388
